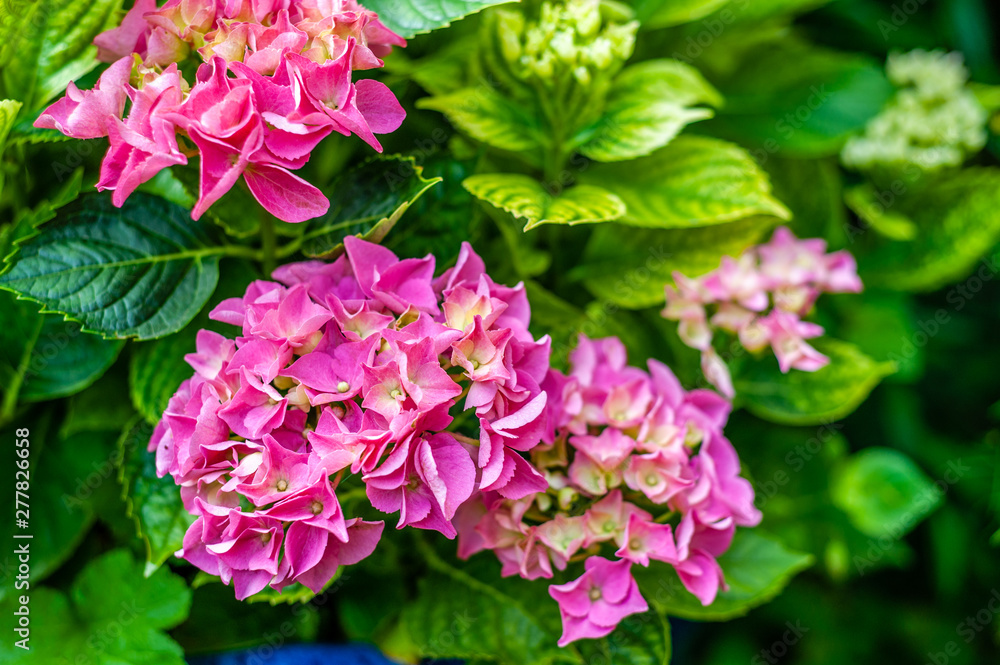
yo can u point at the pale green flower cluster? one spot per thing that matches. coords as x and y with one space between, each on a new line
568 37
933 121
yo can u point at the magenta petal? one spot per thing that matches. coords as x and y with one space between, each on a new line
284 194
379 106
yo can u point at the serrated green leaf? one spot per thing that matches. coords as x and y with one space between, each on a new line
488 116
142 271
43 357
413 17
24 132
366 201
654 14
883 492
153 503
525 198
692 182
640 639
809 398
648 105
629 266
116 578
458 615
51 43
757 568
957 217
111 616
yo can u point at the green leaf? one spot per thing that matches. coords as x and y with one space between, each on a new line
64 475
457 615
111 616
367 201
443 217
813 192
154 503
629 267
957 217
142 271
413 17
692 182
883 492
24 132
863 200
809 398
91 411
488 116
757 568
237 212
48 43
46 357
655 14
648 105
116 578
640 639
798 100
525 198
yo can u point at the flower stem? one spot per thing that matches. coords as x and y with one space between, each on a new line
268 243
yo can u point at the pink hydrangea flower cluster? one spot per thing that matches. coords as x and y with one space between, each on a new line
276 80
349 374
638 469
761 297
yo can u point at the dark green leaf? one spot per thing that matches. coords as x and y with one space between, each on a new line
956 219
154 503
798 100
64 475
809 398
629 266
143 270
412 17
111 616
756 567
367 202
883 492
43 356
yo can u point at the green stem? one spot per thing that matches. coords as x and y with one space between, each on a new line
14 387
268 243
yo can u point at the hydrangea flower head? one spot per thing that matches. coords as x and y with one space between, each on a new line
276 80
933 121
620 442
761 298
343 375
568 38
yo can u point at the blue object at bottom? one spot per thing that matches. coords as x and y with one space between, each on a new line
299 654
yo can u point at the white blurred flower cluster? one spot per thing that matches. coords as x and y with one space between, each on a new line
933 122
